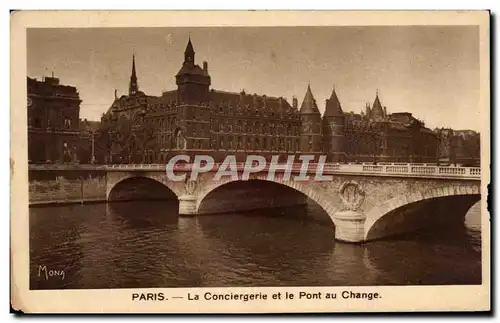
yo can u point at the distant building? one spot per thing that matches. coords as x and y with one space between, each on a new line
196 119
376 135
459 146
53 121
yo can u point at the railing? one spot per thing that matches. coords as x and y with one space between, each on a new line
372 168
68 166
407 170
422 170
395 169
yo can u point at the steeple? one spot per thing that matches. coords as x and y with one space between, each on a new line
133 87
309 103
189 53
192 81
333 107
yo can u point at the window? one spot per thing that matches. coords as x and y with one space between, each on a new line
37 122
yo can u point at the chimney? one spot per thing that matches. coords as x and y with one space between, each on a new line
205 66
385 111
295 103
367 109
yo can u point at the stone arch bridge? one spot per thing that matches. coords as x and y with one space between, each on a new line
364 202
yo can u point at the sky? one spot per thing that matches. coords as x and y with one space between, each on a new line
430 71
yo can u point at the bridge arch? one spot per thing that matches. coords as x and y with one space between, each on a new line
139 187
295 186
431 204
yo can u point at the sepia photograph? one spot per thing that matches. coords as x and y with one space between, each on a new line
308 166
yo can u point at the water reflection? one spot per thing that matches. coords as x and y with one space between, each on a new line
146 244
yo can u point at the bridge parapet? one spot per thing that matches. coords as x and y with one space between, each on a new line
398 170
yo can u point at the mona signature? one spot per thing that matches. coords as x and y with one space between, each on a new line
50 273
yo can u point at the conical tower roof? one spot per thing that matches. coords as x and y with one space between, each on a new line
309 103
189 47
333 107
377 110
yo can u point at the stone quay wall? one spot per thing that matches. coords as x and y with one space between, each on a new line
50 185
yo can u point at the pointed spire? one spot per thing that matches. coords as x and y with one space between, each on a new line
333 107
133 66
189 47
377 111
133 87
309 103
189 52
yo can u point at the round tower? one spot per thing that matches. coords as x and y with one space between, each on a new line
310 125
333 129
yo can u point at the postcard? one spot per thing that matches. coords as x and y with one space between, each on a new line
250 161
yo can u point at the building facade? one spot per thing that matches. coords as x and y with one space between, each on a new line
376 135
53 121
198 119
461 147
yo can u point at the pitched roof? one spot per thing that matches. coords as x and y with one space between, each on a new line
252 100
192 70
309 103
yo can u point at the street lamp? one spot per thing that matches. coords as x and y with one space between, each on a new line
93 150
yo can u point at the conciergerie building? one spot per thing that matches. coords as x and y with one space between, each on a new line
196 118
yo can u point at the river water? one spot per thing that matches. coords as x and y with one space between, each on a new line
146 244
